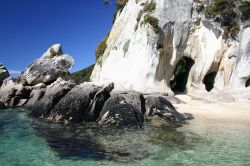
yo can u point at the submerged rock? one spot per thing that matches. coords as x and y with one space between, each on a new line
52 65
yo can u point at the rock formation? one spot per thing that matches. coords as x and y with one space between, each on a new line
151 38
52 65
46 90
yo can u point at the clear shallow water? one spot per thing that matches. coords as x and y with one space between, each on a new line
27 141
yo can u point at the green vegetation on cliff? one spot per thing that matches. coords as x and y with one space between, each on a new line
228 14
224 12
100 49
245 10
82 75
153 21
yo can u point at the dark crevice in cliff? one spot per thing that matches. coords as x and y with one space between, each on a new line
180 76
248 83
209 80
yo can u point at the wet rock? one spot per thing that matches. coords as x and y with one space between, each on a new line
2 106
137 100
52 65
118 112
188 116
163 109
53 94
83 103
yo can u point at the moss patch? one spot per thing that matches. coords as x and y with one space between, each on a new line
148 19
126 46
101 48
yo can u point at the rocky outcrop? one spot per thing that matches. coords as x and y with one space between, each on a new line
138 57
161 110
53 94
118 112
52 65
3 73
82 103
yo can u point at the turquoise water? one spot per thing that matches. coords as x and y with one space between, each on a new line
34 142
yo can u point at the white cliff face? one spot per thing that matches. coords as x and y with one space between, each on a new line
242 71
143 60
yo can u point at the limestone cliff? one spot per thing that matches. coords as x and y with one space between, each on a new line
150 38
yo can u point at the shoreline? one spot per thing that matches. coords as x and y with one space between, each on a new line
234 112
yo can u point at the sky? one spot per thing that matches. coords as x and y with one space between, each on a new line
29 27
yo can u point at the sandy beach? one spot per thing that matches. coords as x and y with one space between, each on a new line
235 112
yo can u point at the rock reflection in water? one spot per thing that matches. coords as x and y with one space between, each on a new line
124 145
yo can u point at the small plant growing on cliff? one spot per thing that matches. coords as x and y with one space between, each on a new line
101 48
149 7
120 4
148 19
53 53
126 46
245 10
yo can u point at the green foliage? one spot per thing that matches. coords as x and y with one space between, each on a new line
225 9
126 46
149 7
82 75
232 30
245 10
120 4
148 19
53 53
138 19
101 48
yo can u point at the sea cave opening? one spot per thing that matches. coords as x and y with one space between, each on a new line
209 80
180 76
248 83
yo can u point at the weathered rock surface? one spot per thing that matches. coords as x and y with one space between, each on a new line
52 65
53 94
118 112
82 103
3 73
161 109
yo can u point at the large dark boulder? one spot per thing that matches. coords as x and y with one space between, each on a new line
161 110
52 65
83 103
53 94
2 106
119 112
